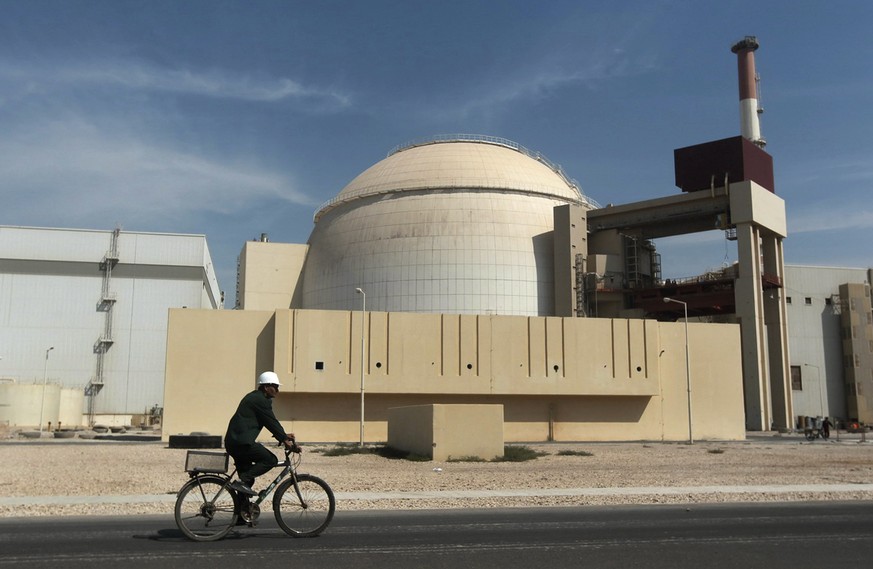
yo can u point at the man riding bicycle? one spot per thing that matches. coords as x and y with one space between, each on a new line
254 413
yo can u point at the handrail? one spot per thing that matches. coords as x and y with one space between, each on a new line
477 138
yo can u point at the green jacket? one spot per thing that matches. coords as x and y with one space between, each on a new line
254 413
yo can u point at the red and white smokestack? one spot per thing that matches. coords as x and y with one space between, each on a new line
749 110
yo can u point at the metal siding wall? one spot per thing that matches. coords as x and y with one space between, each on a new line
54 244
42 310
134 365
156 249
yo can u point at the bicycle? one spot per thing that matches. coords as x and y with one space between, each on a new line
207 508
814 433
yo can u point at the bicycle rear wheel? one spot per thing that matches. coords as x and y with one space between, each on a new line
308 513
205 509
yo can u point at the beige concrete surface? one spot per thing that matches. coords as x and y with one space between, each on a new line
109 477
441 432
565 378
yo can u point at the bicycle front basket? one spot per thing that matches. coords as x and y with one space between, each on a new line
212 462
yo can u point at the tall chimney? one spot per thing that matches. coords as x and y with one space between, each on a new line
749 124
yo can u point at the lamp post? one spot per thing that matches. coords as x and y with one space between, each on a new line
597 279
687 365
44 379
363 352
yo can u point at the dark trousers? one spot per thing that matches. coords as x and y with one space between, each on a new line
252 461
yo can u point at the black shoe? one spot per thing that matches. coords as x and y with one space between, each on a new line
243 488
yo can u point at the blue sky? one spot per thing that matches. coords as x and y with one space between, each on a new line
233 119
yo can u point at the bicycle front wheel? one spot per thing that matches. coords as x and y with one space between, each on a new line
305 513
206 510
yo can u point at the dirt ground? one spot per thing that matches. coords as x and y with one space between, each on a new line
77 467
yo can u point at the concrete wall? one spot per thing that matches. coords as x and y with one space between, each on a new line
570 239
557 378
269 275
858 350
213 359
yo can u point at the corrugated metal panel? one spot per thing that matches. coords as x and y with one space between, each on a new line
134 365
40 312
47 301
158 249
53 244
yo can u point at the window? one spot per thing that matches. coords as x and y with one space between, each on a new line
796 381
788 300
829 301
808 301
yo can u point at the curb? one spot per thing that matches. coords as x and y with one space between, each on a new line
472 494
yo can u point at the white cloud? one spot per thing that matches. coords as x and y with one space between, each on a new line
834 219
70 171
73 152
142 76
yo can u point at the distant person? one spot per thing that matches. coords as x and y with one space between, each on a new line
826 428
255 412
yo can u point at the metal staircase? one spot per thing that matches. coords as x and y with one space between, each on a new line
106 305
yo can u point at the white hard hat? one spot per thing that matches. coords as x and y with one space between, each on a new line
268 378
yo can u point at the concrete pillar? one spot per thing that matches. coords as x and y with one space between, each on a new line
570 239
775 317
750 312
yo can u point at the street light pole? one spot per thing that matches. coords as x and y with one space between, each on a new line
363 353
687 365
597 280
44 379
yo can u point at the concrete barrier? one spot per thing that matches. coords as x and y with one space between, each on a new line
447 431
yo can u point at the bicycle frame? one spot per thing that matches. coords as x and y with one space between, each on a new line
288 469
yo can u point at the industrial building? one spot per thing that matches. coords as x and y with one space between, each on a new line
460 269
462 248
468 269
472 257
831 338
83 321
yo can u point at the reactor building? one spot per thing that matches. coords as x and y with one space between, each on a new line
470 270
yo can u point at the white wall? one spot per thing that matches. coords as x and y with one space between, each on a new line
50 293
814 336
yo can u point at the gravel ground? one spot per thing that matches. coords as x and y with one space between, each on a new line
77 467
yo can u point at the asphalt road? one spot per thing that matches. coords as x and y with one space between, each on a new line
772 535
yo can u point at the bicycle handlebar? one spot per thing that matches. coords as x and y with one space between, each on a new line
295 448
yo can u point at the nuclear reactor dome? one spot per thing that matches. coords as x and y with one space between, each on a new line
454 225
